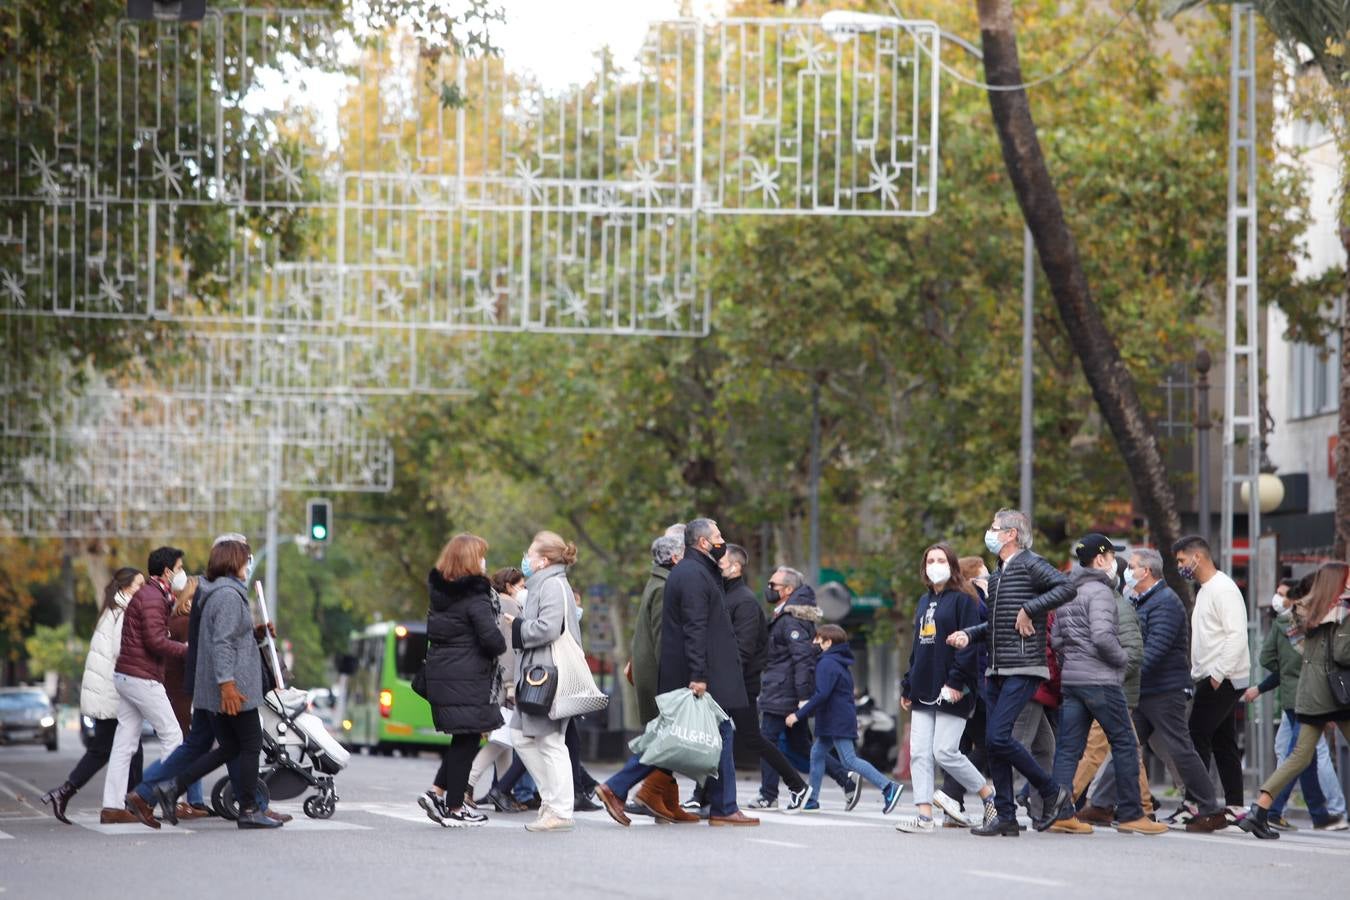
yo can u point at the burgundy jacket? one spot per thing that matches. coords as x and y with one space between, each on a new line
145 634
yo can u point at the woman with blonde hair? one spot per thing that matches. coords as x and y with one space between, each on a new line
1326 653
464 681
550 608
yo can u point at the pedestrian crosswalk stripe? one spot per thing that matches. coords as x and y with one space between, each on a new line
136 829
131 829
6 837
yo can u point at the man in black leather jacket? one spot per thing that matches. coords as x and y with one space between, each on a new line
1021 592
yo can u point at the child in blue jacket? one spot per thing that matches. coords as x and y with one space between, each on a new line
836 719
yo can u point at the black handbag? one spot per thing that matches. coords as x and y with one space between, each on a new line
1338 679
538 686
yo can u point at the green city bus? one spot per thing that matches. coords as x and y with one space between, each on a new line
381 713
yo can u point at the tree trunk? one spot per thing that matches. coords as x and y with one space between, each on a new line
1113 388
1342 542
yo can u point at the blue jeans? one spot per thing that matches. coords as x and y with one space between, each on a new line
196 744
848 758
1106 703
795 742
1004 697
1308 781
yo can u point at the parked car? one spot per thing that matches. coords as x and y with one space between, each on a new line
87 730
27 717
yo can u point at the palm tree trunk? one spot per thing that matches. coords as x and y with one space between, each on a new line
1113 387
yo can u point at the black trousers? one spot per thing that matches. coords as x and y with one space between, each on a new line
1214 733
97 753
453 775
582 782
237 737
750 739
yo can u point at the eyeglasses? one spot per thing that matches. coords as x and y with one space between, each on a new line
774 586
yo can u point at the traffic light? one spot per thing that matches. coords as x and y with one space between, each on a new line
320 519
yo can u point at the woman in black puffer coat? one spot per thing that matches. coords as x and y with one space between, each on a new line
464 681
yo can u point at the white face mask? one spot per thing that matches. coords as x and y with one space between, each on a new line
938 573
520 597
179 581
1277 603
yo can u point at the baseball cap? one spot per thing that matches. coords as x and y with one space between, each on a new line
1089 546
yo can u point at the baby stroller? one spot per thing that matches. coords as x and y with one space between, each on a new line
298 752
298 755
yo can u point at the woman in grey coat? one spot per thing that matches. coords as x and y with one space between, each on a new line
540 741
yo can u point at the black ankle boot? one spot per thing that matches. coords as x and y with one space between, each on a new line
253 818
1257 822
58 798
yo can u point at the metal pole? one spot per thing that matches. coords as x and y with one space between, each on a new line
1028 394
813 566
1203 426
273 475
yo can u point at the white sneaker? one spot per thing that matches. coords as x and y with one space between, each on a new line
916 825
761 802
550 822
950 809
463 818
796 799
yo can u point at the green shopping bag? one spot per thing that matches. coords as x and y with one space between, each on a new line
684 737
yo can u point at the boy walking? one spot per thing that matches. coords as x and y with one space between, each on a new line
836 719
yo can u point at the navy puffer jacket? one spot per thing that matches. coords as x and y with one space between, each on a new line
790 662
1166 630
832 703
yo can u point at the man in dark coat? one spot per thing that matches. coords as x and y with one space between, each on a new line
752 639
698 651
788 681
1022 593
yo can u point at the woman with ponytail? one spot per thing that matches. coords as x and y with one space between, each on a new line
98 698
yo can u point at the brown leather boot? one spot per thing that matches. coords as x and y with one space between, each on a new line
651 794
110 816
670 793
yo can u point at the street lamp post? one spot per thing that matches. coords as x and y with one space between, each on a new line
1203 425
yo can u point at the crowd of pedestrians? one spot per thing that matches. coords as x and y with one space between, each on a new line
1027 687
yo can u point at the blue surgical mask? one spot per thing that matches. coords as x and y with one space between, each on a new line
992 542
248 569
525 568
1130 580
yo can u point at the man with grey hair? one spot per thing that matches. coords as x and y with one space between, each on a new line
658 794
1022 593
788 681
698 651
1165 686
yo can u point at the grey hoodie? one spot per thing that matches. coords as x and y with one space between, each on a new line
226 650
1086 633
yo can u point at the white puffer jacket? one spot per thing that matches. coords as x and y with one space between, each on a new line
98 694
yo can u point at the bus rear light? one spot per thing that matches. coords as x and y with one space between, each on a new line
386 703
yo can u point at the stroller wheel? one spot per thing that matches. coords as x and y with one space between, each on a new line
320 807
223 809
223 799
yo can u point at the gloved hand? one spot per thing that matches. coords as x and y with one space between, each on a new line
231 701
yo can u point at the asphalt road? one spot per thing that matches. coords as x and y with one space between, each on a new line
379 845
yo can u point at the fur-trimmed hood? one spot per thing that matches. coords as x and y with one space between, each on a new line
805 613
445 592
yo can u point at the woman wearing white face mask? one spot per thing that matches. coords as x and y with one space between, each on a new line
98 697
939 691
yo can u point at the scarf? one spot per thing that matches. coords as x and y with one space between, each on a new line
1292 630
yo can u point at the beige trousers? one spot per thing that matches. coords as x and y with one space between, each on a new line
546 760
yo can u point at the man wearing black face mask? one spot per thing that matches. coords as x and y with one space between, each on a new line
788 682
752 638
698 651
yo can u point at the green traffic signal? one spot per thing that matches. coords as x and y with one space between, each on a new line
319 532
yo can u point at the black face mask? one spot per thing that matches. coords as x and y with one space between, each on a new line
770 595
717 551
